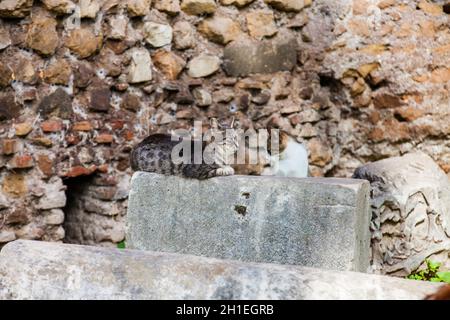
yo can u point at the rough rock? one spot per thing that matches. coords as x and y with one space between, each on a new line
138 8
171 7
24 69
105 273
320 153
22 129
42 35
183 35
7 236
198 7
89 8
5 75
410 213
237 3
157 34
53 196
202 97
140 68
14 184
53 217
261 23
110 63
258 219
58 72
83 74
15 8
83 42
59 6
223 95
220 29
100 98
58 104
117 27
4 202
243 57
131 102
168 63
203 66
5 39
289 5
9 109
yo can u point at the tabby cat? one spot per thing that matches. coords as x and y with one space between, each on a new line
154 154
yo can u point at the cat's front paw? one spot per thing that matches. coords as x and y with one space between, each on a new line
225 171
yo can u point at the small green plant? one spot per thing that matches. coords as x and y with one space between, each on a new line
121 244
431 273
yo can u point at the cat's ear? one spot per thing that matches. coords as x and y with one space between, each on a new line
214 123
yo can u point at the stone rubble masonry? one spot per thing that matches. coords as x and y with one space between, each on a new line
86 272
356 81
311 222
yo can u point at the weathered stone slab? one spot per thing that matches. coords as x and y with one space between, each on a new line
312 222
42 270
244 57
410 205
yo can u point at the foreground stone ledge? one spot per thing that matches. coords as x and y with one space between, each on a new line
316 222
42 270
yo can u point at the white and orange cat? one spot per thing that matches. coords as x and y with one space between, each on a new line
290 161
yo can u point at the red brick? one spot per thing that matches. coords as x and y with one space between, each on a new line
52 126
21 162
80 171
45 164
82 126
9 146
104 138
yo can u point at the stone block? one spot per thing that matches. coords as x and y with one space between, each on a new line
312 222
245 57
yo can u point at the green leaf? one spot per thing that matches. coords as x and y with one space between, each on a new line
435 280
444 276
121 245
433 265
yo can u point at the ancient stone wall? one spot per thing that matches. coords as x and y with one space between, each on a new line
82 81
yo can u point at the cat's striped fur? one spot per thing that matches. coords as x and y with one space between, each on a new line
154 154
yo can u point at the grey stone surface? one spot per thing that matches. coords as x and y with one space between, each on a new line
42 270
410 205
244 57
312 222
